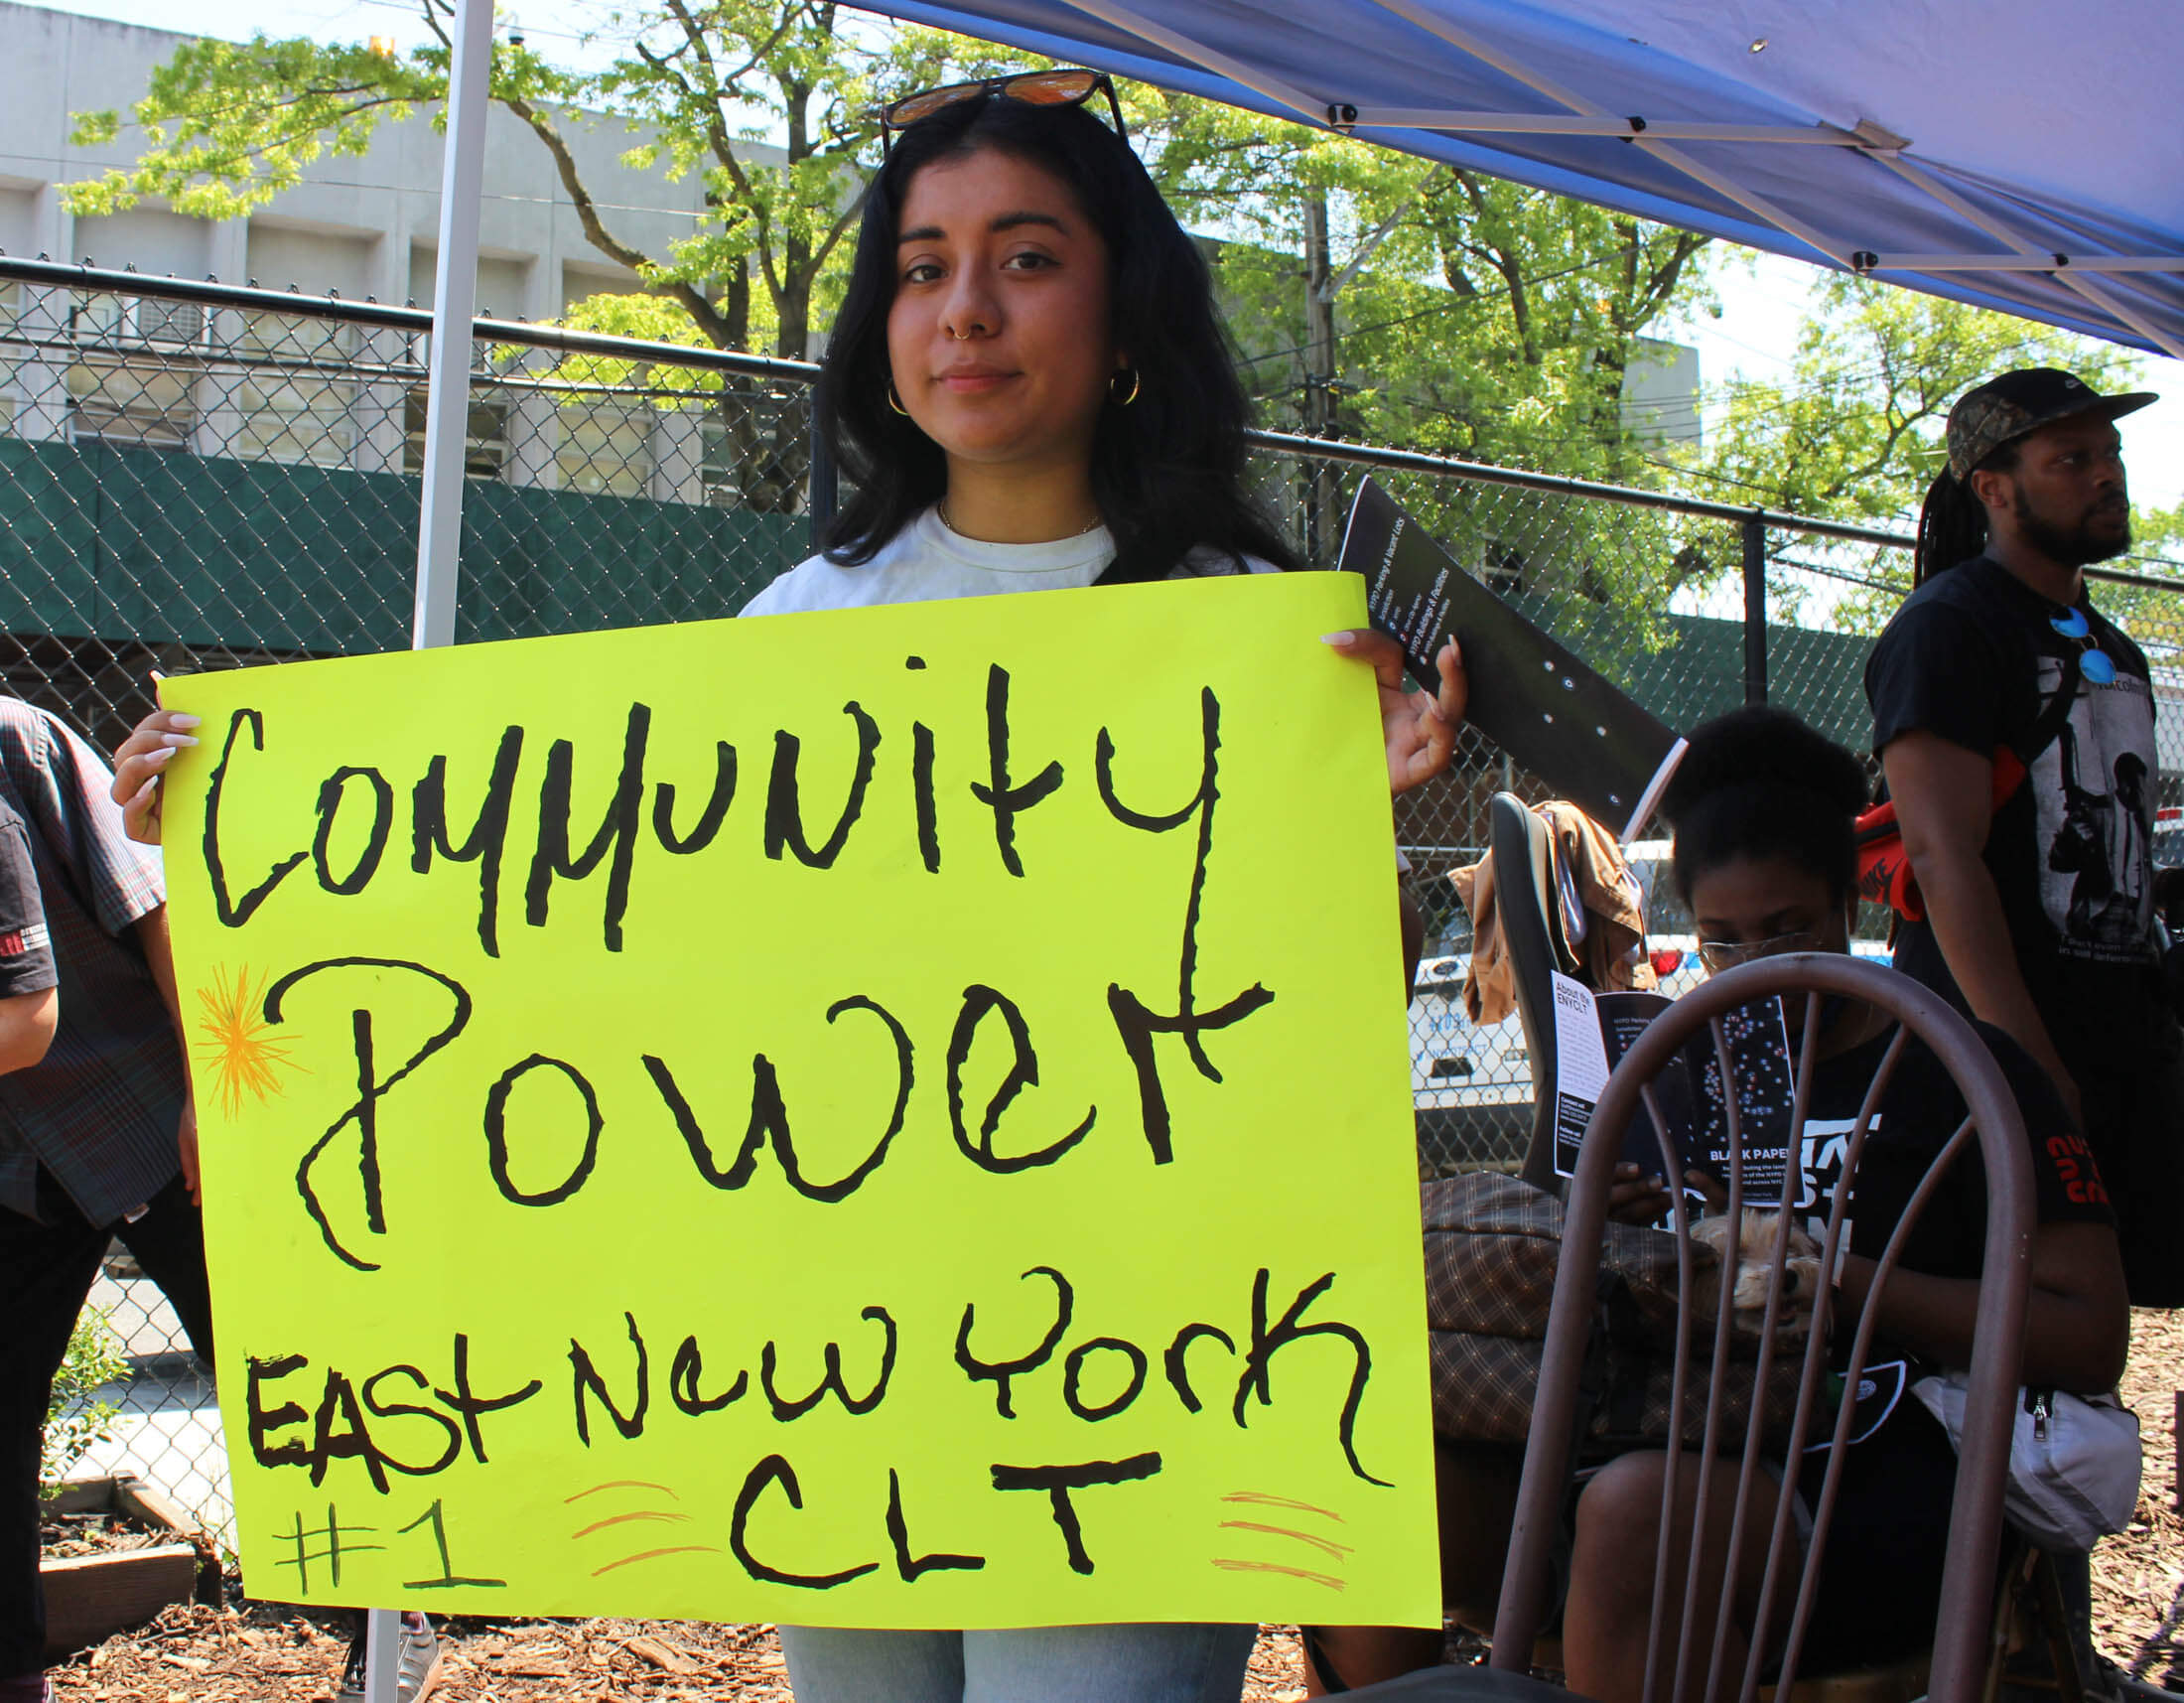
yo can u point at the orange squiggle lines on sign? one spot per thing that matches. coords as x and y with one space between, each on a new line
1263 1500
1337 1550
654 1555
1271 1567
625 1518
620 1485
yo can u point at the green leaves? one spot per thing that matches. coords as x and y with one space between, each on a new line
1855 434
75 1419
229 125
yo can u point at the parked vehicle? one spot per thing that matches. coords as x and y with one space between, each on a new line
1471 1082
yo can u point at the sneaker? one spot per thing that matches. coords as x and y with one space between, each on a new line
416 1664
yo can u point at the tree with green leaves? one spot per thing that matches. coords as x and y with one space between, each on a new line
1473 316
1480 318
229 125
1855 433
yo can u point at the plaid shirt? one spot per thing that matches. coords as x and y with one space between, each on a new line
100 1111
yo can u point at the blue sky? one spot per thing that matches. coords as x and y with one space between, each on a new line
1755 335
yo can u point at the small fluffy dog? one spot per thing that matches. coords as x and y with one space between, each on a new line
1753 1258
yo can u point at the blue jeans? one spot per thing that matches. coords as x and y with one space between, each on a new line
1151 1662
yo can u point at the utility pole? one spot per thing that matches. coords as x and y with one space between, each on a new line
1322 488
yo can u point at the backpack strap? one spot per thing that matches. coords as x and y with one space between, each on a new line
2044 732
1884 873
2055 712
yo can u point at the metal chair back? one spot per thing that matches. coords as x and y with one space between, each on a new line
1976 1530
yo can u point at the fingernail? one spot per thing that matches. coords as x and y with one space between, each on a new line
158 759
178 719
1338 638
144 792
176 741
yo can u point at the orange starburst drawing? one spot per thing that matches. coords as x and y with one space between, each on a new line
236 1042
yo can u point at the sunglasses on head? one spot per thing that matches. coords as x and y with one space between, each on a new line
1033 88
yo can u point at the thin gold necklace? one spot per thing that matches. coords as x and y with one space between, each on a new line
1091 525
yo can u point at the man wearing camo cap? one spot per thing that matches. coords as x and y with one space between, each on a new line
2015 727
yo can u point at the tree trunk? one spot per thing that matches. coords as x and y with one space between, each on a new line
735 307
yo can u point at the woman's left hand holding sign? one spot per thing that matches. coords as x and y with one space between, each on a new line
138 765
1421 727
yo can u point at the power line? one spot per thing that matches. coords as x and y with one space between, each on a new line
1453 303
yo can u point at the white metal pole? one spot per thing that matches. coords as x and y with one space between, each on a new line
447 433
454 306
382 1655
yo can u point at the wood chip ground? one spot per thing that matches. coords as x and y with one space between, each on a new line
266 1653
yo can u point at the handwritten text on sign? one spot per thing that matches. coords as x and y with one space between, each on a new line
893 1117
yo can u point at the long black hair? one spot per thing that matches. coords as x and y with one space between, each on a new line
1758 782
1167 469
1953 519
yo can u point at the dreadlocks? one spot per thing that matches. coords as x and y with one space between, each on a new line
1953 520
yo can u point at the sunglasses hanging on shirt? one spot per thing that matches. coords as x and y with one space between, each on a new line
2096 665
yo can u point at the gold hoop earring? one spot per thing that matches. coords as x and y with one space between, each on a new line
895 402
1119 400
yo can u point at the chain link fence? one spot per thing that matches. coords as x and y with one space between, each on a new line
194 477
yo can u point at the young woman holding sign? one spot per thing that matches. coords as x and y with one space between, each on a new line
1027 387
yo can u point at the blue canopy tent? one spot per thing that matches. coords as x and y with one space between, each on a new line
2004 152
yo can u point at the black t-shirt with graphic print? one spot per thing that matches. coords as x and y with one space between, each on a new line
1920 1109
1973 658
1880 1575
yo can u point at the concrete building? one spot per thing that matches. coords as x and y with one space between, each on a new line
359 226
1661 393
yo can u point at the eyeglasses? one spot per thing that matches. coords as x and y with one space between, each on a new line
1034 88
1727 955
2096 665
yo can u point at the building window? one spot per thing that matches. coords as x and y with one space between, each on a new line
305 420
132 402
606 449
486 441
720 463
296 337
137 320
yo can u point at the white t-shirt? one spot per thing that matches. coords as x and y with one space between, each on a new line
926 560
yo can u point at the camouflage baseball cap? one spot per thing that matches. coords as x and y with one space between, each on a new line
2007 408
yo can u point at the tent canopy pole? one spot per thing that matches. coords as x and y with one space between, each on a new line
453 305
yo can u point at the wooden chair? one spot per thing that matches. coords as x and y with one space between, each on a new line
1961 1631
